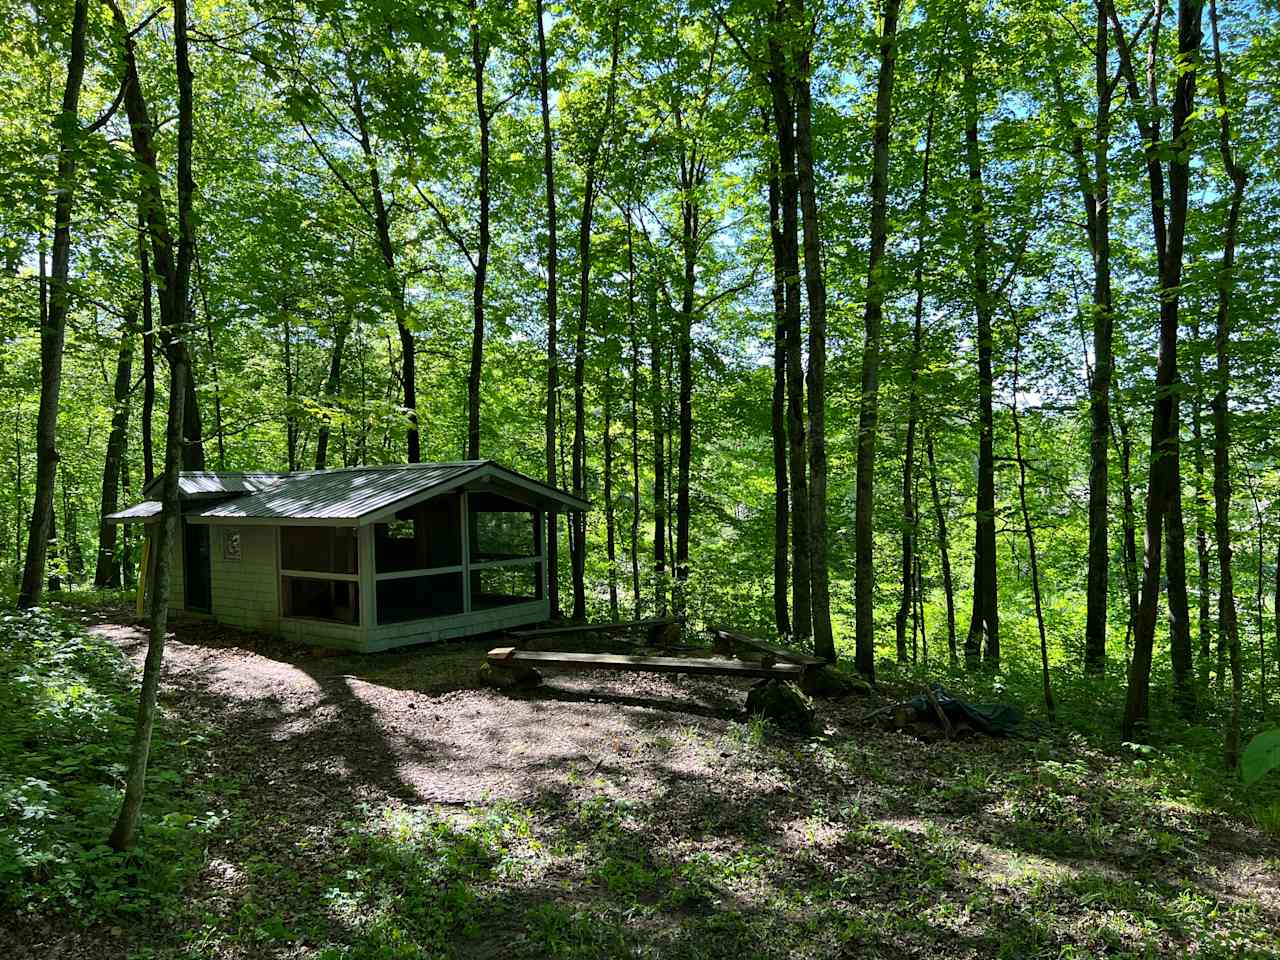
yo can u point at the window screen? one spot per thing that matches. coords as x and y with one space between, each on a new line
319 549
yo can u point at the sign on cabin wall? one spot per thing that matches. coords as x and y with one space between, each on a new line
231 543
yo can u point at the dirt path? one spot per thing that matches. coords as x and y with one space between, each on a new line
413 726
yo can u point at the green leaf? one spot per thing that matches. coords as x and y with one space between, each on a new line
1261 756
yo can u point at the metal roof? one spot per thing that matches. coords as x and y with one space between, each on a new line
194 484
349 494
139 511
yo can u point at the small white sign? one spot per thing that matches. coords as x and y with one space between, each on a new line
231 543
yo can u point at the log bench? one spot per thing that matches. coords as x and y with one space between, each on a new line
510 657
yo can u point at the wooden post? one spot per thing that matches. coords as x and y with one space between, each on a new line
144 574
465 517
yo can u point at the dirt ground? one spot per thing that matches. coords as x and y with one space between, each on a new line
852 842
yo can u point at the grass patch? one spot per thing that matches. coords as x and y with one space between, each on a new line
68 704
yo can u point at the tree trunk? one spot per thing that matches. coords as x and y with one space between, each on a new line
290 409
1203 586
479 60
392 280
1164 473
1180 652
816 293
1129 519
984 623
797 447
553 362
1227 626
689 220
124 834
611 548
864 524
53 329
659 457
332 386
1046 686
910 509
148 350
635 420
107 570
781 484
944 552
578 521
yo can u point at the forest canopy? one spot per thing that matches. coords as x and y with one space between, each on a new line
932 333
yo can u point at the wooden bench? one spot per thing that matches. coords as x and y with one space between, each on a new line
652 625
511 657
731 643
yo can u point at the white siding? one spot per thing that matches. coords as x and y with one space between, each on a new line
461 625
246 591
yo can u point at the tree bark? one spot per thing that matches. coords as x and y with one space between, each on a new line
124 834
107 572
290 410
659 457
1169 239
984 623
781 484
1227 625
578 521
332 385
148 350
816 294
944 552
1203 583
910 508
797 447
611 548
391 278
53 329
1046 686
553 362
635 419
479 61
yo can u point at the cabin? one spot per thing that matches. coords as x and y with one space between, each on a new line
360 558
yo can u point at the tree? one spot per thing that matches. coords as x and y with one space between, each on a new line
54 325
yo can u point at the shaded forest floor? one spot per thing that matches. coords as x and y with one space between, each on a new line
384 807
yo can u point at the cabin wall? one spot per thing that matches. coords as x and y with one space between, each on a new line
462 625
245 590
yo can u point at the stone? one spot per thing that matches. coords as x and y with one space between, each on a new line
782 703
513 677
831 684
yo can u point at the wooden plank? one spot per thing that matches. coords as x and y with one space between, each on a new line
502 656
732 639
593 628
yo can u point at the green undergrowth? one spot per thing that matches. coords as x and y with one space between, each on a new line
68 700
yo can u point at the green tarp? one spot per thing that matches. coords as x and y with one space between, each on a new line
996 719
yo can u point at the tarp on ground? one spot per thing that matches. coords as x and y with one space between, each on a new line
994 719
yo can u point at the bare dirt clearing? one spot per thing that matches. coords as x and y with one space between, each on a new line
380 806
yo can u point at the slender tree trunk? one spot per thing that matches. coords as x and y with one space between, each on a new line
54 326
1129 546
1180 652
984 623
553 362
816 294
479 61
684 347
910 508
864 524
611 548
1164 471
148 351
392 280
290 410
781 483
1030 532
1096 192
124 834
107 571
780 86
1203 586
635 419
332 385
659 457
193 409
940 518
1228 628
